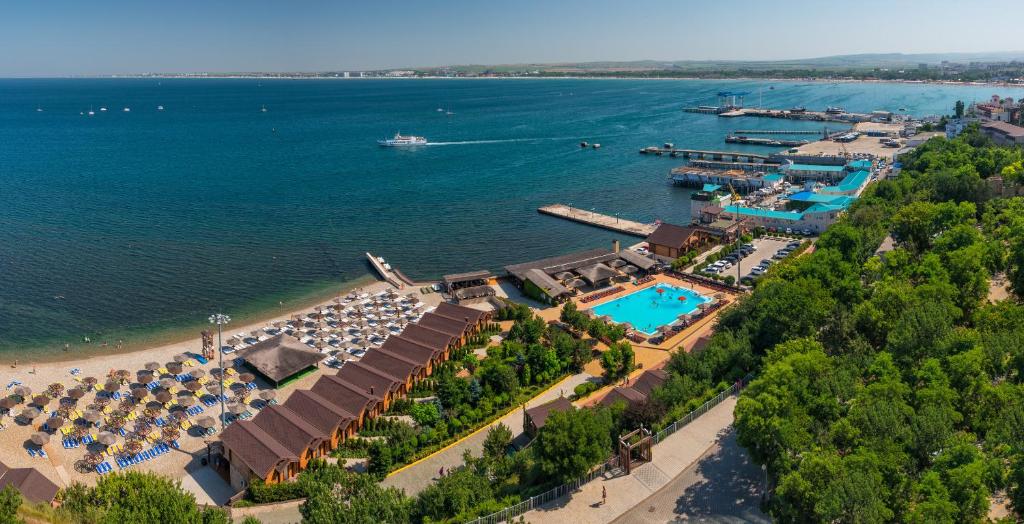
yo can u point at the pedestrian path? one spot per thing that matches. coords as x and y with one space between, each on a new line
672 457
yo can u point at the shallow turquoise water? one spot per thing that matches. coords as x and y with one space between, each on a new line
128 223
648 309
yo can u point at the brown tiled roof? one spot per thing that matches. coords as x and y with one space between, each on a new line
1005 128
649 380
562 263
409 350
539 414
466 277
255 447
280 357
368 377
455 328
428 337
460 313
390 364
629 395
670 235
33 485
343 394
318 411
288 429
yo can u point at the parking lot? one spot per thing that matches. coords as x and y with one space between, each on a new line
764 248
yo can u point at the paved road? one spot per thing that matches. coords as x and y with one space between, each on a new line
723 486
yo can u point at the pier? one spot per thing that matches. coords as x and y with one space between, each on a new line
735 156
763 141
776 132
590 218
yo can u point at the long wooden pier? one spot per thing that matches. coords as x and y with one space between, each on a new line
735 156
590 218
775 132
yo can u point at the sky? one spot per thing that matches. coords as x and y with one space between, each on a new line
100 37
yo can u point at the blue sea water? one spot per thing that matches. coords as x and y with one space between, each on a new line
127 224
648 309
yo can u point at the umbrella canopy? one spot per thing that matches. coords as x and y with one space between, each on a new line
186 401
122 374
145 377
236 408
153 366
89 381
29 413
170 434
55 422
106 438
214 388
198 373
8 402
163 397
206 422
40 438
192 385
41 400
92 415
140 393
268 394
111 386
133 446
76 393
23 391
246 377
102 401
181 357
55 389
167 383
174 367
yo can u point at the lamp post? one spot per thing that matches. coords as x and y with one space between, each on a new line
220 320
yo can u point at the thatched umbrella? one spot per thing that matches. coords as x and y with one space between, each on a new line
102 401
236 407
168 383
76 393
64 410
198 373
153 366
140 393
133 446
163 397
216 372
106 438
42 400
23 391
80 431
56 389
247 377
181 357
126 405
92 459
214 388
268 394
206 422
193 386
111 386
30 413
40 438
145 377
55 422
90 381
92 415
170 434
122 375
186 401
8 402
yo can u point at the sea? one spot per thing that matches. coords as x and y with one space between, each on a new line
251 196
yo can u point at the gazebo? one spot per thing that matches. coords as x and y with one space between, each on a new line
280 358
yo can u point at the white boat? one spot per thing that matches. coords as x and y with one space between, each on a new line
91 112
263 109
403 141
127 109
159 108
440 110
39 110
103 109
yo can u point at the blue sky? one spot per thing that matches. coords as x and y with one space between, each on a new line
58 37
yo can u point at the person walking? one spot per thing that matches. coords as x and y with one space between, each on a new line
604 495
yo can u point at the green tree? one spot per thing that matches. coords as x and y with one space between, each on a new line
571 442
336 496
134 497
497 441
958 109
10 501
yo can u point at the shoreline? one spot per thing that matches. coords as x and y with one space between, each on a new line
176 335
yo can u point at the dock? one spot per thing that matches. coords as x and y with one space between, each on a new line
775 132
764 141
735 156
386 272
590 218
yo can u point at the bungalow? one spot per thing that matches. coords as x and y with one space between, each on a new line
252 453
426 357
293 433
373 380
395 366
450 326
281 358
672 241
33 485
535 417
348 397
639 391
431 338
322 414
476 318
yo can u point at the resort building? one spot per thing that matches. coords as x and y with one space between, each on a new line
554 280
672 241
813 172
535 417
639 391
33 485
281 358
1003 133
469 287
280 441
711 180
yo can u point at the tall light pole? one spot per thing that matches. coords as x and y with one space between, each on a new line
220 320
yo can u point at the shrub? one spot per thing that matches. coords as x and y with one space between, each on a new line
584 389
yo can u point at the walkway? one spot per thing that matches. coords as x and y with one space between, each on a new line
673 457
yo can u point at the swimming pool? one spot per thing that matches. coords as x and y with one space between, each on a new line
649 309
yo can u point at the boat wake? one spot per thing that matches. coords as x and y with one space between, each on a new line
502 141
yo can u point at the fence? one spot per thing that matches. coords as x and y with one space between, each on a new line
565 489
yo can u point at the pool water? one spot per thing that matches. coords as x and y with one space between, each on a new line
648 309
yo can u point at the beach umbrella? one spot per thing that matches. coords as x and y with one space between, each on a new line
186 401
236 408
198 373
214 388
206 422
268 394
140 393
659 290
55 389
233 341
133 446
122 374
40 438
163 397
682 298
41 400
181 357
29 413
89 381
167 383
92 415
192 385
106 438
174 367
153 366
76 393
64 411
55 422
247 377
145 377
111 386
102 401
8 402
170 434
23 391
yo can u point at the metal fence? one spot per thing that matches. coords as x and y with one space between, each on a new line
612 463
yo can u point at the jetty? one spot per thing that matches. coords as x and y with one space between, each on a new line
590 218
735 156
763 141
776 132
389 274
